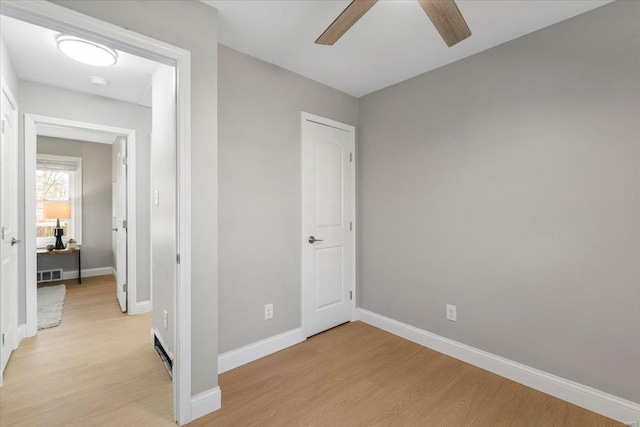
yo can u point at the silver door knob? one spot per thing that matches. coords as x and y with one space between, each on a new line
312 240
14 241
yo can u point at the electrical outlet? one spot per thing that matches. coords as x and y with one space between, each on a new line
451 312
268 311
166 319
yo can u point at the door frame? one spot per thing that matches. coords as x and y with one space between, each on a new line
31 123
72 22
4 87
304 117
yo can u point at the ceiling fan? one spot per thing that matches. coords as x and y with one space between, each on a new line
444 14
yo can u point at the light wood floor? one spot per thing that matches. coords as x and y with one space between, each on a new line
357 375
97 368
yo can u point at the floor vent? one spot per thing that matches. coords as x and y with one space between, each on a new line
168 363
49 275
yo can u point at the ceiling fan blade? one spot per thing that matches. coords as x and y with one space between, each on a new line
447 19
347 18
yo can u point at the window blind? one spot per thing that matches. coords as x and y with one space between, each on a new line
56 165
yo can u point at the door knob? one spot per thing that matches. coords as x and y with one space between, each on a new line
114 229
312 240
14 241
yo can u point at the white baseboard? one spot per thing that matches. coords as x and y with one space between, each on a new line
249 353
89 272
589 398
205 403
140 308
21 333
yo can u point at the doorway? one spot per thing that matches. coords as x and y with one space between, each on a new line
10 336
124 206
53 16
328 221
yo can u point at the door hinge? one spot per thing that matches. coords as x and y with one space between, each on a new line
3 340
350 295
124 160
124 224
178 258
3 126
125 287
350 225
2 233
351 157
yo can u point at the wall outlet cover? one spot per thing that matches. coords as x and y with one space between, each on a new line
451 312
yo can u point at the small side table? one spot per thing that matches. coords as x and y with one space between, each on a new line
75 250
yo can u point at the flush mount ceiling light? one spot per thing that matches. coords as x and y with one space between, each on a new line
87 52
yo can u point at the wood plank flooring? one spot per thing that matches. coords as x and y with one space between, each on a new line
357 375
97 368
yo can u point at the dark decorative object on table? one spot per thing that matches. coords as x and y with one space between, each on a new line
50 247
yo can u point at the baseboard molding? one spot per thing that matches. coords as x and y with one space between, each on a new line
89 272
205 403
141 307
240 356
589 398
21 333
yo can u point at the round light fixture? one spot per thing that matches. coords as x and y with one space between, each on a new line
87 52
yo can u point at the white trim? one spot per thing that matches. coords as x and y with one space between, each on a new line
206 402
89 272
53 16
114 273
304 116
31 124
240 356
142 307
21 334
589 398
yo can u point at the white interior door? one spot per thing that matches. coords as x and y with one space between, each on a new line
120 230
328 192
9 230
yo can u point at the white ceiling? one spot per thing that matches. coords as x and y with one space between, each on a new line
36 57
394 41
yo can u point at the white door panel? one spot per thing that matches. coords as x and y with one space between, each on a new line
120 202
328 191
9 230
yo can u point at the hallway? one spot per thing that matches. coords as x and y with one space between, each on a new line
96 368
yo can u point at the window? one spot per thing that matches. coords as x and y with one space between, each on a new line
58 179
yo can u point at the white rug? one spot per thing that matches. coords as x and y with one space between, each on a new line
50 303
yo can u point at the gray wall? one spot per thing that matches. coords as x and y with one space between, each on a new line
260 191
163 214
191 25
51 101
507 184
96 202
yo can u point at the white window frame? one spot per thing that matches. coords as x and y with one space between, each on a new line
75 196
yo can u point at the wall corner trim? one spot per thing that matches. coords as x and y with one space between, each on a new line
586 397
248 353
206 402
21 334
141 307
